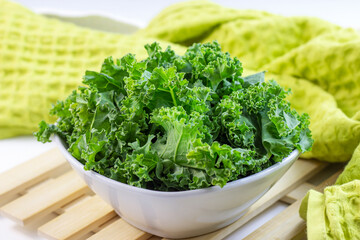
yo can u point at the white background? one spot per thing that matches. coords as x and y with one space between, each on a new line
16 150
342 12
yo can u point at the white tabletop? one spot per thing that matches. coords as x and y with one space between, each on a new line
19 149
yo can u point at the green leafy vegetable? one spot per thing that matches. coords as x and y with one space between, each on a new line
174 122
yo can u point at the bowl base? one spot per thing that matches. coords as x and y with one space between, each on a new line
187 234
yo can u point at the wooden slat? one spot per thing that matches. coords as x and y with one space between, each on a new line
120 230
66 207
297 193
300 171
31 172
295 226
78 220
46 198
290 221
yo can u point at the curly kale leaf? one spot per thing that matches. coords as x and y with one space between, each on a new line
259 118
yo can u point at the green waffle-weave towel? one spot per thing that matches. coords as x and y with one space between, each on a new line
42 60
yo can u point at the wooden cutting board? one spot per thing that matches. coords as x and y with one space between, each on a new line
47 195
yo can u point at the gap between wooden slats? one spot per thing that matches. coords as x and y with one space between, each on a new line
155 238
46 198
297 193
29 173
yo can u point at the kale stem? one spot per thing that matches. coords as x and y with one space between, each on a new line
172 94
173 97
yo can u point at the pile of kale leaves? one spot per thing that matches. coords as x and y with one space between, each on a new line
175 123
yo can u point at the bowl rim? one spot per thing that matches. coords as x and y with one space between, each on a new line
230 185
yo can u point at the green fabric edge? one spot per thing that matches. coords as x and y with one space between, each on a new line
312 210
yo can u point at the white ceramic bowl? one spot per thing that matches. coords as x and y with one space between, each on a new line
185 213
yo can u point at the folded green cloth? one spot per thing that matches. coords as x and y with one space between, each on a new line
335 214
42 60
